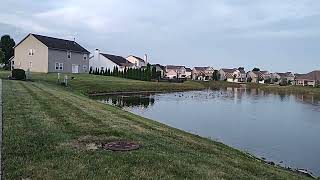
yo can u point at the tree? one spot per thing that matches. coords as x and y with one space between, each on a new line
215 75
2 56
6 45
90 71
255 69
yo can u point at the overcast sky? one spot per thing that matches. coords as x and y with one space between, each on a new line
275 35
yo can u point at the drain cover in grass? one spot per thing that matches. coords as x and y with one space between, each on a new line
121 146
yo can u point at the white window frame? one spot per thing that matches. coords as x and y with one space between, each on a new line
84 67
69 54
58 66
85 57
12 65
30 65
31 52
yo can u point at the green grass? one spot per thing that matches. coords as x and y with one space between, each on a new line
47 126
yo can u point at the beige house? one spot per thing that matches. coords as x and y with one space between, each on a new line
44 54
173 72
230 75
287 77
260 77
137 61
310 79
202 73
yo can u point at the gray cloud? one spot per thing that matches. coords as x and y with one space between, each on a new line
276 35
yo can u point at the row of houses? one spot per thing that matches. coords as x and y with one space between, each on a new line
39 53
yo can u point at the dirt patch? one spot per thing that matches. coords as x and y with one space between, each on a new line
121 146
92 143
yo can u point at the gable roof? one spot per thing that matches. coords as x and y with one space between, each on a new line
60 44
286 74
188 69
314 75
138 58
119 60
229 70
201 68
174 67
242 71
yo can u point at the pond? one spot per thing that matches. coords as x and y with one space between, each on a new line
281 128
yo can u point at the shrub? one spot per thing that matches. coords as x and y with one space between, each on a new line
18 74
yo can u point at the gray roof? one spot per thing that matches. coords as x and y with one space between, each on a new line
60 44
314 75
119 60
140 59
286 74
229 70
174 67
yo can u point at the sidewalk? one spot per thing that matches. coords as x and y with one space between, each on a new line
0 129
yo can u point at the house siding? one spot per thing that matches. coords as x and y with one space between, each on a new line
38 62
58 56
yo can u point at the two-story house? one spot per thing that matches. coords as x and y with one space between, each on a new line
202 73
173 72
44 54
102 61
137 61
230 75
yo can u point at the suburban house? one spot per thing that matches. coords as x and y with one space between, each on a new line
173 72
188 73
310 79
202 73
258 76
230 75
44 54
287 77
159 68
101 61
243 75
137 61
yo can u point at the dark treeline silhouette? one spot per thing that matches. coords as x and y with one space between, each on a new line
144 74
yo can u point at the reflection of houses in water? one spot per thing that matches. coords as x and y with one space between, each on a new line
308 99
130 101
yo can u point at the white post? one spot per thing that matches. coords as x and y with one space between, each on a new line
66 80
58 77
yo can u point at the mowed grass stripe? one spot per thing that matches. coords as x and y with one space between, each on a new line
43 120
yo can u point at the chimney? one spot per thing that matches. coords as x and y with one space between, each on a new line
97 54
74 40
146 58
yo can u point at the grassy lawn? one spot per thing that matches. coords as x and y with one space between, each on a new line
47 129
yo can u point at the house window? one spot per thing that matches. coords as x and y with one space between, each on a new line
85 56
85 67
12 65
31 52
69 54
59 66
30 64
102 68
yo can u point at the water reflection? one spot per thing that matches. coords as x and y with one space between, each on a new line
280 127
128 101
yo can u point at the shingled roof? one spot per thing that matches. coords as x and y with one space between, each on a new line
229 70
60 44
119 60
314 75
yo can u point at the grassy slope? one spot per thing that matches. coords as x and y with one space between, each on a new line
43 123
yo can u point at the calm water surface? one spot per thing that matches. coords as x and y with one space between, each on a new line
284 129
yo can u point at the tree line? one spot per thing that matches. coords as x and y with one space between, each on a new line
145 74
6 50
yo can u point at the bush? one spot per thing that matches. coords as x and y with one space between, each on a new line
18 74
